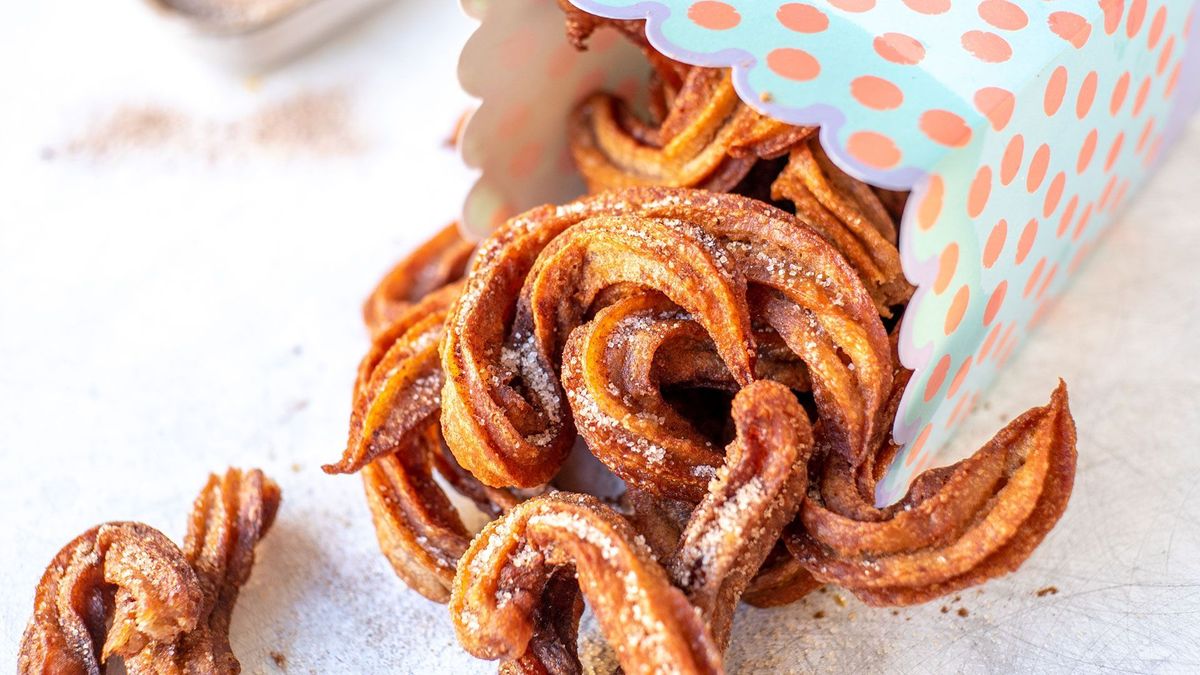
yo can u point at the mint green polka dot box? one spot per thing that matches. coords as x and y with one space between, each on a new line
1021 129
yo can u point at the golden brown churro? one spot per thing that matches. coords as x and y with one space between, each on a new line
123 589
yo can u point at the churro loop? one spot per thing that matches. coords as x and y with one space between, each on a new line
708 138
957 527
505 416
614 371
399 382
755 494
124 589
419 530
439 261
851 216
500 588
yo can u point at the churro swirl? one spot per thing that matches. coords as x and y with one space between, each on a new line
505 414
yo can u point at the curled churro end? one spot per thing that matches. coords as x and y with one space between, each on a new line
399 382
439 261
502 579
958 526
851 216
754 495
124 589
125 575
505 415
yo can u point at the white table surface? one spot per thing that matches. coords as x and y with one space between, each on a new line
168 312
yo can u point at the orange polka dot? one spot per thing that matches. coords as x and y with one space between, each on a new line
1037 168
526 160
1114 151
981 189
1155 147
1079 257
1087 151
1120 198
1120 89
1033 277
514 121
987 47
995 243
1156 27
899 48
959 377
1002 358
1087 94
1137 13
1003 14
853 5
1047 281
1145 135
937 377
1056 89
958 408
714 15
990 341
947 266
929 6
1104 195
518 49
946 128
1113 9
1173 80
1010 164
802 18
1054 194
873 149
931 203
562 61
996 104
915 449
1083 223
1165 57
1005 339
1025 243
876 93
958 307
1139 101
995 303
1071 27
794 64
1068 213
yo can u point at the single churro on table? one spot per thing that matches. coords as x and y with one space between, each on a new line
125 590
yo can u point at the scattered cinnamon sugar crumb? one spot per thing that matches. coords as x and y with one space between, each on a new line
310 122
280 660
945 609
766 97
895 612
962 611
296 467
956 598
818 614
841 602
1049 590
823 589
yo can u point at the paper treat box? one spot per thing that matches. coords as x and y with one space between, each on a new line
1021 129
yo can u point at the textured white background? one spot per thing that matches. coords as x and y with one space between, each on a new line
167 314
